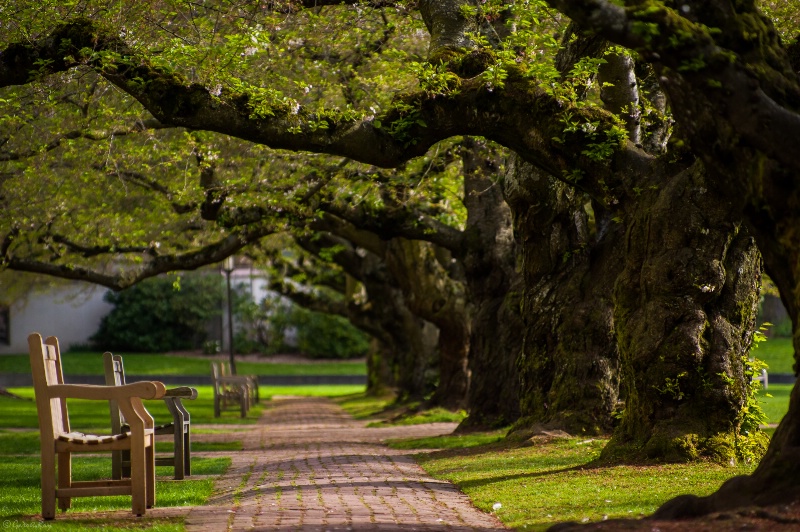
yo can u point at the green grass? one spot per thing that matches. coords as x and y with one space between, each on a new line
547 481
778 353
457 441
94 415
75 363
776 406
434 415
20 491
554 481
361 406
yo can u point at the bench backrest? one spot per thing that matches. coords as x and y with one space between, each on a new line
115 376
46 371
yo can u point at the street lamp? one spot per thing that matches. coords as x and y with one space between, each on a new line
227 267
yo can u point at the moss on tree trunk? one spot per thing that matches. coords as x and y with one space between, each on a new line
685 308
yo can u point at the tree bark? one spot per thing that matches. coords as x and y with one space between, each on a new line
431 293
569 360
685 309
408 343
494 286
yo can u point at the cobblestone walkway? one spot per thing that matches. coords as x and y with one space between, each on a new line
308 465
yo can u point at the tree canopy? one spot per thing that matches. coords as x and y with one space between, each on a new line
652 110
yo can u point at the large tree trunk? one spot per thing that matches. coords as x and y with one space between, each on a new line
494 287
431 293
685 309
569 360
407 343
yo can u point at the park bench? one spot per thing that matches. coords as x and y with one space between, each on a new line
59 442
179 428
250 380
229 391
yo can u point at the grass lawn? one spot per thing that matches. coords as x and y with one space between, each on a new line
775 401
154 364
94 415
529 486
778 353
535 486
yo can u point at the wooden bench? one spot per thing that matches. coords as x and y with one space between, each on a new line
250 380
59 441
229 392
179 428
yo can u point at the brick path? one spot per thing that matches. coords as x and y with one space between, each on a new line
308 465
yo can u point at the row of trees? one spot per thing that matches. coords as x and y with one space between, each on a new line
612 254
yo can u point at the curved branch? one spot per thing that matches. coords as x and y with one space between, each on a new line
191 260
522 116
758 93
87 134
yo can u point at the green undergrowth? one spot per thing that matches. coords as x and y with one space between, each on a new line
546 481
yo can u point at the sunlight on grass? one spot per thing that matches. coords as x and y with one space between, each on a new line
93 416
77 363
456 441
20 492
362 406
434 415
552 481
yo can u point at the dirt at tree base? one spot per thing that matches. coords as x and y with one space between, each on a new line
782 517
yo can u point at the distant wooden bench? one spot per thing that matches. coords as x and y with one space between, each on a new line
179 428
250 380
229 392
58 441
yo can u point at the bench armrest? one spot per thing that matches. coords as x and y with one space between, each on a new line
143 390
183 392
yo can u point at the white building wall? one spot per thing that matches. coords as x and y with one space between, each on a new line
72 313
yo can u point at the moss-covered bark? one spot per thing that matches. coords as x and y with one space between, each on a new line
568 363
685 307
431 293
494 289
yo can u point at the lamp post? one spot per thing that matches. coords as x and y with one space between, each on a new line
227 267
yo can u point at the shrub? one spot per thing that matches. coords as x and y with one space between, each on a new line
327 336
279 326
161 314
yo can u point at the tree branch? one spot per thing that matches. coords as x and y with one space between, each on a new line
191 260
522 116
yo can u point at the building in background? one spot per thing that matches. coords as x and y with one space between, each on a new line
70 311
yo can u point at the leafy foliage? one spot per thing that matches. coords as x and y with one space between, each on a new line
161 314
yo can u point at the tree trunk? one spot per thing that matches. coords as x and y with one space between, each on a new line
408 343
494 287
685 309
569 360
432 294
